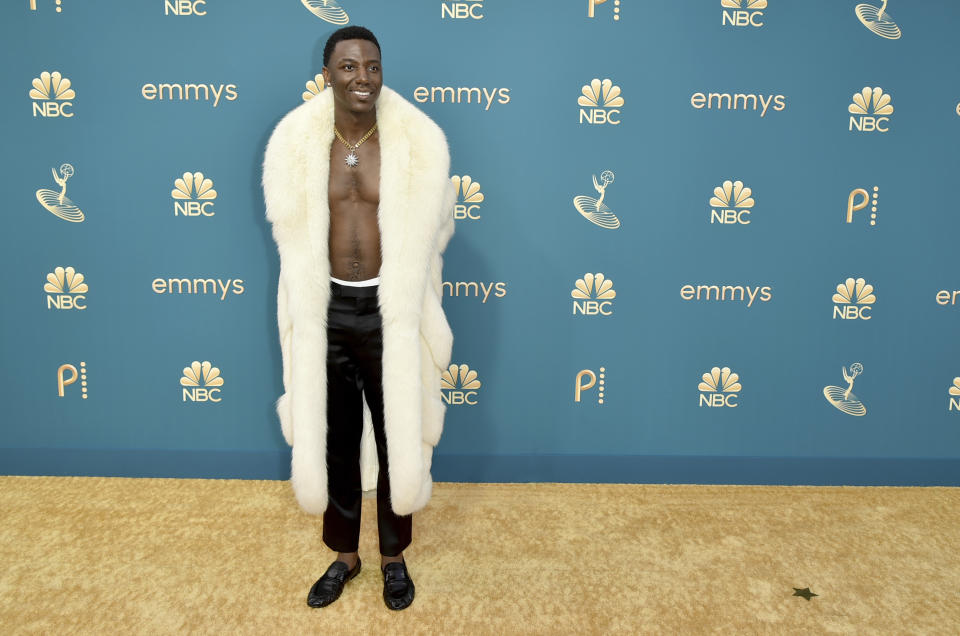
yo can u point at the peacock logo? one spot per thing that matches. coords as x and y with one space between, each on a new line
52 95
593 295
731 203
327 10
66 289
314 87
201 382
954 393
469 198
853 300
600 102
193 195
870 110
720 387
459 385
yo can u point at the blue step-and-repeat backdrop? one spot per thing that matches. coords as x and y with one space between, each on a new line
708 241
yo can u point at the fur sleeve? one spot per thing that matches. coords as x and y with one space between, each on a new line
284 412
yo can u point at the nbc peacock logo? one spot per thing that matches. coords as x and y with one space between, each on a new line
201 382
600 102
459 385
731 204
842 398
314 87
58 203
853 300
593 295
66 289
870 110
52 95
327 10
720 387
193 195
743 13
954 396
878 20
469 198
595 210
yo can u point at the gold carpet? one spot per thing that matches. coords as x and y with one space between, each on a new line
160 556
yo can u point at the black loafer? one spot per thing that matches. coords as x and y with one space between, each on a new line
328 587
398 587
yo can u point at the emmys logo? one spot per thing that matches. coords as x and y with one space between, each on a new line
469 198
947 297
741 13
458 385
719 388
878 20
843 398
734 202
64 380
954 393
193 195
595 210
190 92
601 101
859 199
738 293
327 10
201 382
314 87
197 286
65 289
184 7
869 110
58 203
586 380
592 295
33 5
854 300
52 95
463 94
475 289
461 10
738 101
592 4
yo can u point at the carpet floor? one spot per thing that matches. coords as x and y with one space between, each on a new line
160 556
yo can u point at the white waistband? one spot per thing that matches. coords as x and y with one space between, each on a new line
357 283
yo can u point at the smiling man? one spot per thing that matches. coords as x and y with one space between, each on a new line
358 193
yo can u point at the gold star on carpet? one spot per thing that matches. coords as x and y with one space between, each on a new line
805 593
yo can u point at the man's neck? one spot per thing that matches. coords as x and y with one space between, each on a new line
353 125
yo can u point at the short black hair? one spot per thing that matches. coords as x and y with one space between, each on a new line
347 33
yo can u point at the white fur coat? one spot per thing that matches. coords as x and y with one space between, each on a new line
416 221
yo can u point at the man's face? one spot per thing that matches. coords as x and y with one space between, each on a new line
354 70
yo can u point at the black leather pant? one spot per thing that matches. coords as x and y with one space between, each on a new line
354 369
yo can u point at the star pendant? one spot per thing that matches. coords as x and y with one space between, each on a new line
352 160
805 593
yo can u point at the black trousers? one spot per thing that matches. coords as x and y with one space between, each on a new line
354 369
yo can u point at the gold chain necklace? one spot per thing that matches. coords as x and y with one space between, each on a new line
352 159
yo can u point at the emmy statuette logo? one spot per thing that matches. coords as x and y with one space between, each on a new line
870 110
878 20
66 289
458 385
327 10
469 198
595 210
593 4
586 380
201 382
64 380
193 195
52 95
860 198
314 87
853 300
842 398
600 102
57 203
742 13
720 388
185 7
954 393
460 10
593 295
731 204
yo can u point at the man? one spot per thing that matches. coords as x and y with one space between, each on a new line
358 193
